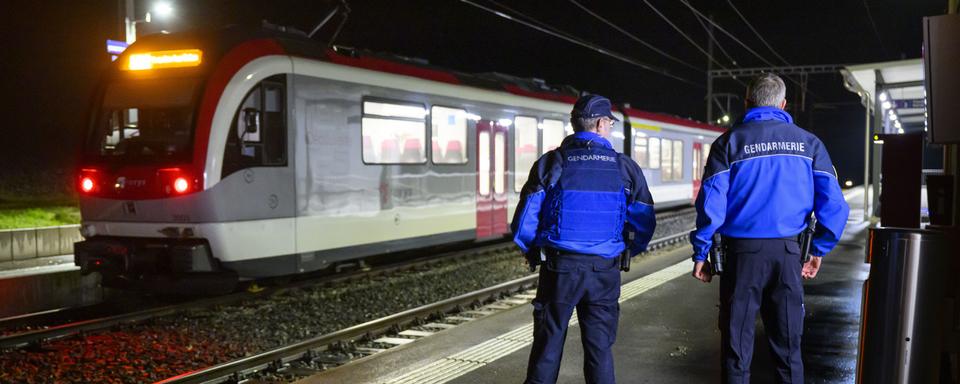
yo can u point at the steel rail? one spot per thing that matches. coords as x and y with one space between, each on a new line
23 339
276 358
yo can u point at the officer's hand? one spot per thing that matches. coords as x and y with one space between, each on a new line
701 271
811 268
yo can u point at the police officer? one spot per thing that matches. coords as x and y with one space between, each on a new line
763 179
574 210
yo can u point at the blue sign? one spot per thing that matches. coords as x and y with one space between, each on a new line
116 47
910 103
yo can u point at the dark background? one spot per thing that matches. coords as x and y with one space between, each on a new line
53 53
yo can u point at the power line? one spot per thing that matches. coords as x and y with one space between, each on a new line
745 46
634 37
680 31
715 41
759 36
874 25
565 36
684 2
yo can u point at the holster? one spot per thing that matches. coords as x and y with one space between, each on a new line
533 257
806 238
717 255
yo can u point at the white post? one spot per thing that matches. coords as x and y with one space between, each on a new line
866 165
129 23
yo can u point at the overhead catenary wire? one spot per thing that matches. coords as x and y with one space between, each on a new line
715 41
680 31
873 24
741 43
730 35
569 38
634 37
755 32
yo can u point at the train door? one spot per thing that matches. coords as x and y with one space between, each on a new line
491 179
697 172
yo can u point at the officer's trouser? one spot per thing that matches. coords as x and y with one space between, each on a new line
764 275
591 284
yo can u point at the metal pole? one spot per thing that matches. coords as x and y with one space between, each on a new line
130 27
709 74
866 163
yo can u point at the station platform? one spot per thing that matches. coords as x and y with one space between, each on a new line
45 284
667 332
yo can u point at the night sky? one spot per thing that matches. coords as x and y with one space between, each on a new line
54 53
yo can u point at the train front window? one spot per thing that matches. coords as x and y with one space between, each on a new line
145 121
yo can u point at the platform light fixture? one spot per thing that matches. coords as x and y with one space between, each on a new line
883 96
848 183
163 9
725 118
886 105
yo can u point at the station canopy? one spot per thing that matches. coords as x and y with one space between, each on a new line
893 88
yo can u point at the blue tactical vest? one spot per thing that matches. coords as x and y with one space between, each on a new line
585 208
581 197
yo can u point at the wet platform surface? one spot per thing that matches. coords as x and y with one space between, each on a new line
667 334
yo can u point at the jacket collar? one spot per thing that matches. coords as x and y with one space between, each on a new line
767 113
585 139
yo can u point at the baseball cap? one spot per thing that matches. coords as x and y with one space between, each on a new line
592 106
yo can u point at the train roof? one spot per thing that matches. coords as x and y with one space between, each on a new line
217 42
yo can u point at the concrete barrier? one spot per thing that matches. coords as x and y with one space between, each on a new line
29 243
24 243
69 234
6 245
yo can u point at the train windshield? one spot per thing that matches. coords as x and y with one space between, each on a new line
145 121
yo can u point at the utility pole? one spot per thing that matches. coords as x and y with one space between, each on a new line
129 25
709 71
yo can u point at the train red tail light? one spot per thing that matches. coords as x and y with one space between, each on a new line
88 181
176 181
181 185
86 184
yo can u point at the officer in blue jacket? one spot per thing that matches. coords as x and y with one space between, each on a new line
763 179
574 210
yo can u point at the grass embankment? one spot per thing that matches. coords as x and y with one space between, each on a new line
27 213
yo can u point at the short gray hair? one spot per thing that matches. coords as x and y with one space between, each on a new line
766 90
581 124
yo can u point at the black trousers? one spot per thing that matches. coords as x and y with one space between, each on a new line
591 284
761 275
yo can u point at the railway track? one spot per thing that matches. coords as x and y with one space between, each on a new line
301 353
281 361
58 331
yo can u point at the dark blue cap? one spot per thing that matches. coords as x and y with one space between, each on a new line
590 106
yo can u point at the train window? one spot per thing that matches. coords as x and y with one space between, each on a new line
671 160
393 133
654 149
483 163
553 134
145 121
666 157
677 160
640 154
500 162
449 139
525 145
258 133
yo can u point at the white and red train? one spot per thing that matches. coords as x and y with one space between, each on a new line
256 153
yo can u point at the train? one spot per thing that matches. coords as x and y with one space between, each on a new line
247 153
